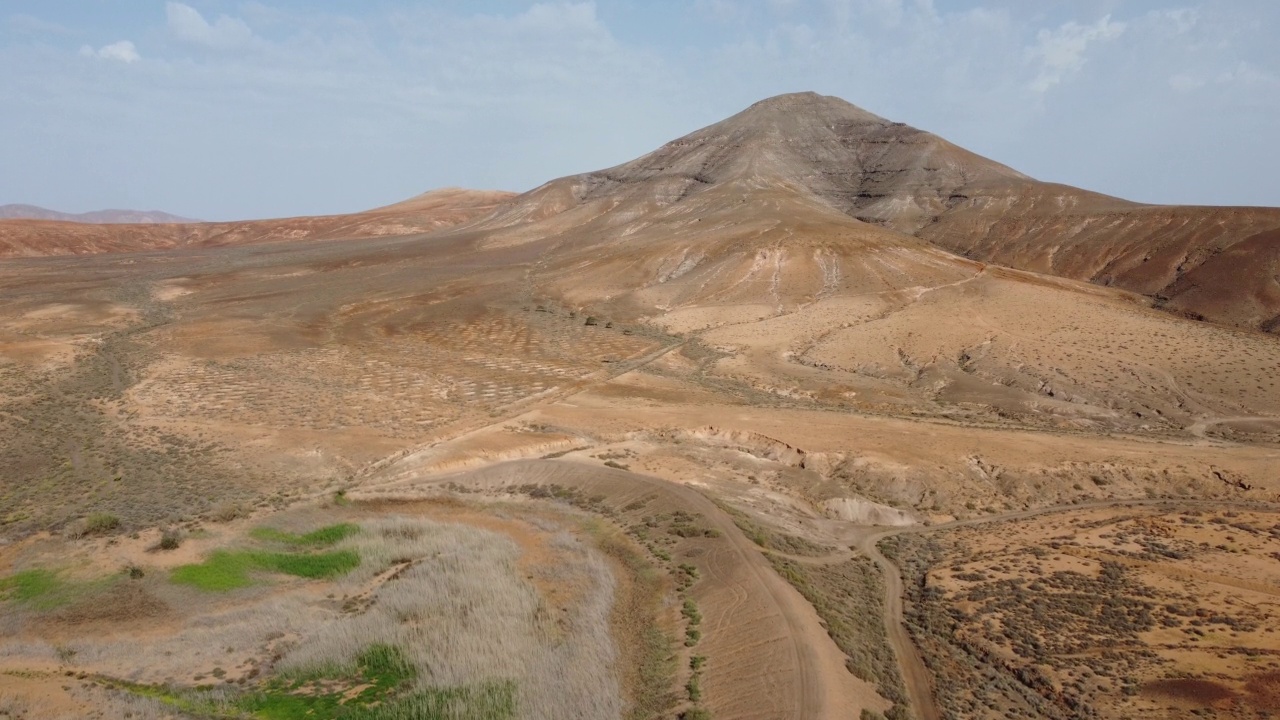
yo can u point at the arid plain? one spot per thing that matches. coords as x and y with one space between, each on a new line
808 414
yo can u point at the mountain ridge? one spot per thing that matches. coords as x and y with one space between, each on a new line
795 151
430 211
917 184
20 211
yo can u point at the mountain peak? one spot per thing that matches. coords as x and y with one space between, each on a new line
811 103
854 161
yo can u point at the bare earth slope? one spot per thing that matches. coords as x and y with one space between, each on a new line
425 213
1208 262
889 174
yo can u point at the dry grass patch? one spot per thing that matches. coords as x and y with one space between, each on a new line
1109 613
459 608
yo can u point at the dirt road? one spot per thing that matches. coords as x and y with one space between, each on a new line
768 653
914 674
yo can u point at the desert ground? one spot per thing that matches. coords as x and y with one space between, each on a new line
783 420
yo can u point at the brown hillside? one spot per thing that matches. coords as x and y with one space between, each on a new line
424 213
816 148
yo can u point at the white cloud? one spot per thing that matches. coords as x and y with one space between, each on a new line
1061 53
122 51
723 11
1182 20
187 24
1247 74
888 12
1185 82
29 24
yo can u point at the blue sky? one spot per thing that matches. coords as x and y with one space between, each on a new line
224 109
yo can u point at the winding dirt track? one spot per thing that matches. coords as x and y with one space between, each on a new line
914 674
794 670
1200 427
467 427
770 656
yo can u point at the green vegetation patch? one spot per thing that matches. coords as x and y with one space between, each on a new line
222 570
324 537
321 565
41 589
380 685
227 570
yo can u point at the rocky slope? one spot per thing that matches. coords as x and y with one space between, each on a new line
788 154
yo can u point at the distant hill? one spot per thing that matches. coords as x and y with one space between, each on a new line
430 211
115 217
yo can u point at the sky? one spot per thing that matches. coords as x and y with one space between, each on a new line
226 109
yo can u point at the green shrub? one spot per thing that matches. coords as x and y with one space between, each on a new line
169 540
694 688
692 636
690 611
99 523
228 511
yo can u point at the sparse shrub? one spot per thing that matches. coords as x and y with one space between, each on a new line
692 636
898 712
169 540
591 320
696 714
690 611
228 511
99 523
694 688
